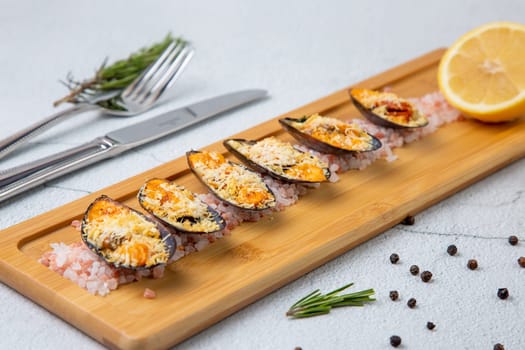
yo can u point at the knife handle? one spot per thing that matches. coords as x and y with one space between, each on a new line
21 178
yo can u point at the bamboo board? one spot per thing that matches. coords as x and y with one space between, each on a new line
257 258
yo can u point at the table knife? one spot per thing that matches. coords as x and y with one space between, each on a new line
21 178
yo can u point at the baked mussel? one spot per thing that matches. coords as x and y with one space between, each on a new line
231 182
178 207
387 109
279 159
330 135
124 237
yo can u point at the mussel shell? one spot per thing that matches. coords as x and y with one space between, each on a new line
192 216
320 145
418 122
104 208
267 200
278 172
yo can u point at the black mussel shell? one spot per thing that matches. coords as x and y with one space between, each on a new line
300 129
124 237
279 160
178 207
231 182
387 109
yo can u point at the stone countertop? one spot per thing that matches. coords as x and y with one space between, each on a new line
298 51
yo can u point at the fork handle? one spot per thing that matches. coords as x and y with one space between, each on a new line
14 141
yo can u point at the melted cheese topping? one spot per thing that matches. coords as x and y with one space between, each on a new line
389 106
123 236
177 206
283 159
335 132
231 182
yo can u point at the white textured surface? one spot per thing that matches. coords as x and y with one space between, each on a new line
298 51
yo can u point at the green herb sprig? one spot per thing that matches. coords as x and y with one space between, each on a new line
116 76
315 303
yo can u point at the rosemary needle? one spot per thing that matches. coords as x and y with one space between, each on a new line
315 303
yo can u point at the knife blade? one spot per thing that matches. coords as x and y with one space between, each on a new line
21 178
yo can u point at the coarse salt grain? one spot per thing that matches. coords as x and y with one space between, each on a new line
149 294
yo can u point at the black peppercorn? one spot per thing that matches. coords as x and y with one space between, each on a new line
452 250
394 258
395 341
426 276
414 270
394 295
472 264
409 220
499 346
503 293
513 240
431 325
411 303
521 261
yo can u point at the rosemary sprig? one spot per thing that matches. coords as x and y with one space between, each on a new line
118 75
315 303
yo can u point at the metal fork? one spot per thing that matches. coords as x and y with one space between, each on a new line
137 97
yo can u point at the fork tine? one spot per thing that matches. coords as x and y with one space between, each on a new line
139 83
175 69
146 86
172 72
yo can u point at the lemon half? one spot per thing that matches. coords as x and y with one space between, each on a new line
483 73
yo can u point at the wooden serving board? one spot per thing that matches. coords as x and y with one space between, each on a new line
257 258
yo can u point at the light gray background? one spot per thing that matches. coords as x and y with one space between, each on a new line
299 51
